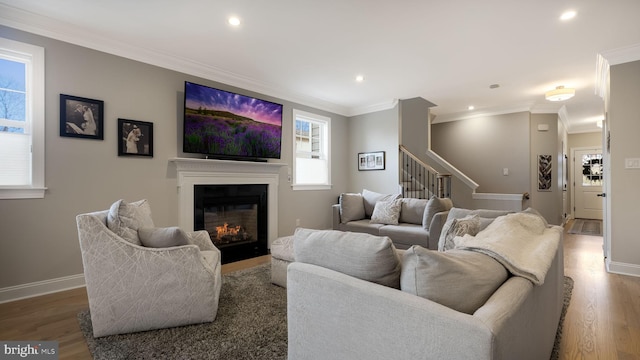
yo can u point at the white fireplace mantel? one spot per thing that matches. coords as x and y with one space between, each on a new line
225 172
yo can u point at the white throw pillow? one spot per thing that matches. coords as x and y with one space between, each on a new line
459 279
372 197
386 212
163 237
458 227
124 219
351 207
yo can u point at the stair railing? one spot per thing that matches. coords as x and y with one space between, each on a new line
419 180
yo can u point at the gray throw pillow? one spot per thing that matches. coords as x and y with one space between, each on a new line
434 206
412 210
163 237
459 279
124 219
364 256
372 197
458 227
351 207
386 212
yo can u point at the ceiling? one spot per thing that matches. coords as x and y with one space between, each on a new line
311 51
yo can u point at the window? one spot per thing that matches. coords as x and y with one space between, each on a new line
311 146
21 120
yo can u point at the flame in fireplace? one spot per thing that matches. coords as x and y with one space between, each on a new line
226 230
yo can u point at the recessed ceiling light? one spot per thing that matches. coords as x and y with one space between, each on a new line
359 78
568 15
234 21
471 107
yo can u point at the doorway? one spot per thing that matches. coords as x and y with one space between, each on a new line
588 171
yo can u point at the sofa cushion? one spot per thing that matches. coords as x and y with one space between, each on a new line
386 212
406 234
457 227
434 206
364 256
461 280
351 207
372 197
163 237
124 219
362 226
412 211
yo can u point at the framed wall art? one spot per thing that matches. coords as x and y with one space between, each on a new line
544 172
81 117
371 160
135 138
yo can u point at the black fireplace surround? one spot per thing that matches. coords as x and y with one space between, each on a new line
235 216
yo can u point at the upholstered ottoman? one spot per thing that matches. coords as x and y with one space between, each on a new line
281 257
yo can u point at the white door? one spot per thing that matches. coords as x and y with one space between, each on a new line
588 171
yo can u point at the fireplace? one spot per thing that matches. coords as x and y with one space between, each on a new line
235 216
191 172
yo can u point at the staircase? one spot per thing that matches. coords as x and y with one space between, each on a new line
419 180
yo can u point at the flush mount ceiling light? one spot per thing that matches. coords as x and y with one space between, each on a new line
568 15
560 94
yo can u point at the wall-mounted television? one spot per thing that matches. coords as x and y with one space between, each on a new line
225 125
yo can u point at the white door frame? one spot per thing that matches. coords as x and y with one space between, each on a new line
572 179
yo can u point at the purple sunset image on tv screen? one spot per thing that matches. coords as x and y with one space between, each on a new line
226 124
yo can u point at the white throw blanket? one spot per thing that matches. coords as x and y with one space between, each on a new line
520 242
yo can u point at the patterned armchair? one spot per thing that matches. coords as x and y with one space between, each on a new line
133 287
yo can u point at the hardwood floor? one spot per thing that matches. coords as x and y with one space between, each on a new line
602 321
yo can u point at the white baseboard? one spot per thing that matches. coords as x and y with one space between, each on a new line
622 268
39 288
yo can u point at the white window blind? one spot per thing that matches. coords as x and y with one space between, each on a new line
312 151
21 120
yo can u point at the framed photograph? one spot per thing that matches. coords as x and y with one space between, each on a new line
371 161
135 138
544 172
81 117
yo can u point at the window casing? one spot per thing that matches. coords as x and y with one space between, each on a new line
21 120
312 151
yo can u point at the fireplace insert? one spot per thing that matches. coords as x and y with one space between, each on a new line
235 216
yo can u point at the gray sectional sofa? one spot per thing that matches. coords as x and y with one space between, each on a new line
354 296
418 222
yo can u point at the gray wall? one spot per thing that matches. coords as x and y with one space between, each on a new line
414 125
624 195
376 131
38 236
482 147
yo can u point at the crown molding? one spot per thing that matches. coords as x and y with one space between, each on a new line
622 55
386 105
44 26
480 113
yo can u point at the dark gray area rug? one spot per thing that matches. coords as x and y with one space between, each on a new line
251 324
586 227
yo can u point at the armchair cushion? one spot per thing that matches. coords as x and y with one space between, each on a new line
124 219
163 237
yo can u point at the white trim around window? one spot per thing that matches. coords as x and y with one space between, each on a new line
33 56
311 152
